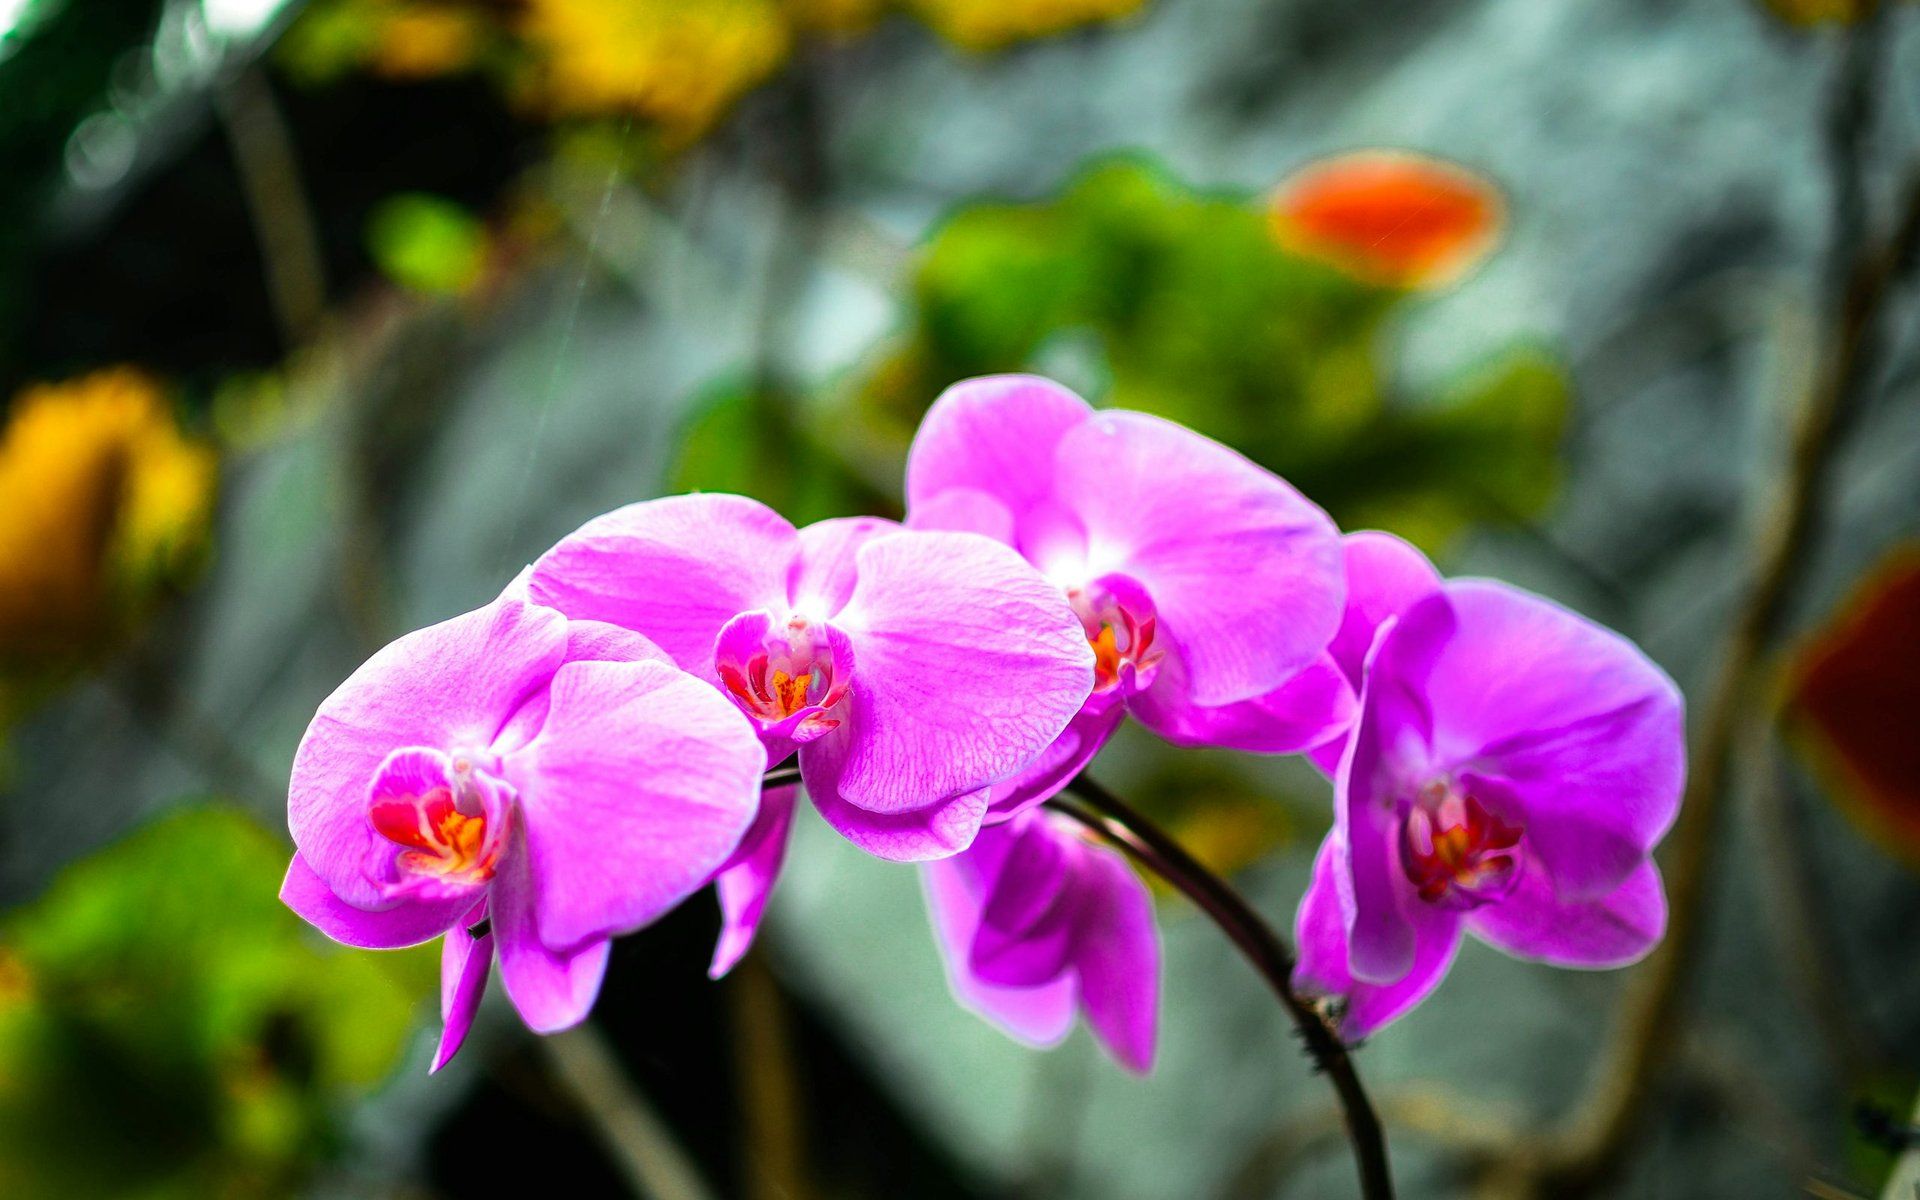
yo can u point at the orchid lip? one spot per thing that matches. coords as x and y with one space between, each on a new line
1121 626
1456 852
442 815
786 673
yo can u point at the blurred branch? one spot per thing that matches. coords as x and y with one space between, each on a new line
774 1142
1590 1146
1116 821
276 202
1428 1110
584 1067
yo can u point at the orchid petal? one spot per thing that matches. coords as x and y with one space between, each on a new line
1617 929
996 434
825 571
1320 931
1038 1016
1117 956
1183 514
970 665
746 882
407 923
1069 754
640 785
465 962
552 990
1315 706
1568 721
451 685
675 569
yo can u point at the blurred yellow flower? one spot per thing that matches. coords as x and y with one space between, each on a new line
680 63
1815 12
991 24
426 41
102 500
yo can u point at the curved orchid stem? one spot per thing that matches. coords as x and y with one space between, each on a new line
782 775
1117 822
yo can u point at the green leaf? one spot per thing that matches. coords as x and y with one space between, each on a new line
159 989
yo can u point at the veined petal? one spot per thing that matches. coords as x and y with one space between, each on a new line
405 923
587 641
825 571
937 830
1613 931
451 685
1325 969
1042 779
747 880
465 962
1315 706
969 665
1244 571
995 435
675 569
1569 720
639 787
552 990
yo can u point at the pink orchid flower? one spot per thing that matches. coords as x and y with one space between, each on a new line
1208 587
910 671
1512 767
526 786
1036 923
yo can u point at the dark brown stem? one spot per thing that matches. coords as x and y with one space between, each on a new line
1116 821
781 776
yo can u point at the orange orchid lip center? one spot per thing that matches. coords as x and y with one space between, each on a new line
1121 633
441 841
1456 852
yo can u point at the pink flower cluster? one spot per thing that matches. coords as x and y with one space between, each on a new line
534 778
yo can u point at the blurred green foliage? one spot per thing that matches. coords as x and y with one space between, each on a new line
427 243
1195 313
169 1029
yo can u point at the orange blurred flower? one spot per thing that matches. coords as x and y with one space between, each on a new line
1854 696
1391 217
426 41
680 63
991 24
101 502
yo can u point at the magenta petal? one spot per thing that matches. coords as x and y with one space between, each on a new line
1038 1016
964 510
1367 815
911 835
969 665
1028 923
1320 930
449 686
1569 720
1245 572
407 923
1069 754
638 788
1613 931
746 882
996 434
464 964
674 569
552 990
1384 576
1315 706
1117 956
825 572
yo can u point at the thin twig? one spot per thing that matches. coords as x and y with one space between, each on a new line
1590 1146
775 1151
583 1066
1117 822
